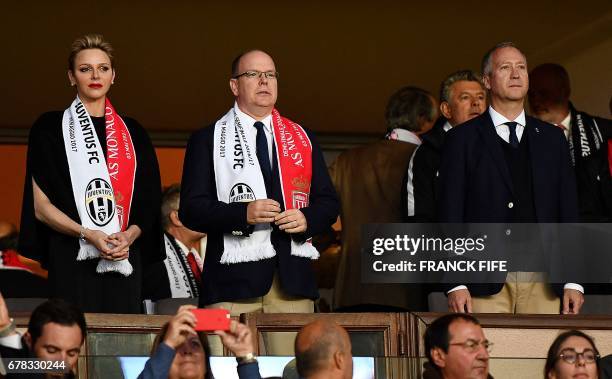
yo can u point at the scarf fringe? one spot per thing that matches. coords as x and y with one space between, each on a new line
123 267
248 254
87 251
304 250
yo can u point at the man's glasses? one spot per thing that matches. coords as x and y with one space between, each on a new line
571 356
251 74
473 345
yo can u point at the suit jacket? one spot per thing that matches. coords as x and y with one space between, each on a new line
368 180
201 210
475 181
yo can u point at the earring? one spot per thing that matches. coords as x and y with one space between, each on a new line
72 84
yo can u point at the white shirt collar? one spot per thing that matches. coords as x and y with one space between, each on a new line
499 119
567 120
247 120
447 126
186 251
502 130
404 135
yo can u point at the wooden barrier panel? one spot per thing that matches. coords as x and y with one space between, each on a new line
520 341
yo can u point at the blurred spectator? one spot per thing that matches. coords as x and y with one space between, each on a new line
375 197
456 347
572 355
323 350
179 352
56 331
549 99
21 277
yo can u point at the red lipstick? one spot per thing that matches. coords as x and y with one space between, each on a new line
95 85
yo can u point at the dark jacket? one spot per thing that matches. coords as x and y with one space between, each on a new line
202 211
476 184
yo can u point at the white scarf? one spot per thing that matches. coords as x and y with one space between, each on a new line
91 185
239 179
182 280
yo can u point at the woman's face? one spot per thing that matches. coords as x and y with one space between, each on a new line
581 368
189 361
92 75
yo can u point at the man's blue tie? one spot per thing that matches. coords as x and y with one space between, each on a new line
514 142
262 154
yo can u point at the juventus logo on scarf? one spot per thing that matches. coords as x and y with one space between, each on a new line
102 188
239 179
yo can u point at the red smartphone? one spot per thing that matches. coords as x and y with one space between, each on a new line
209 320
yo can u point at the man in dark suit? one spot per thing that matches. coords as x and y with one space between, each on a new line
462 97
505 167
257 184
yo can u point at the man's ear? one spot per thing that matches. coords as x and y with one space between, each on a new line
174 219
234 86
486 81
438 356
445 110
339 358
27 337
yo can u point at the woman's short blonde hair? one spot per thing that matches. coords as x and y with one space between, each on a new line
90 41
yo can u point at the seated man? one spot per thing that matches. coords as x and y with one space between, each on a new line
323 350
456 347
55 332
184 248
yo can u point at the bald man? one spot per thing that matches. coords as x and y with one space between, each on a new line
323 350
257 184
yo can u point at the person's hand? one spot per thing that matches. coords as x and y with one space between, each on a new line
238 339
262 211
572 301
460 301
291 221
180 327
121 241
99 239
124 254
5 320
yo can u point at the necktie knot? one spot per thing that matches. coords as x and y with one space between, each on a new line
259 126
513 140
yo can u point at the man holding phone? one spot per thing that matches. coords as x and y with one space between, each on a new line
257 184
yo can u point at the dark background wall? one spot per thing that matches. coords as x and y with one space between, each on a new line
339 61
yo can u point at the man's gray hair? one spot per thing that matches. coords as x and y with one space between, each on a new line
170 202
463 75
486 60
408 108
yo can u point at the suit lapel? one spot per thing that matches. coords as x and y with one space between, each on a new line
491 142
